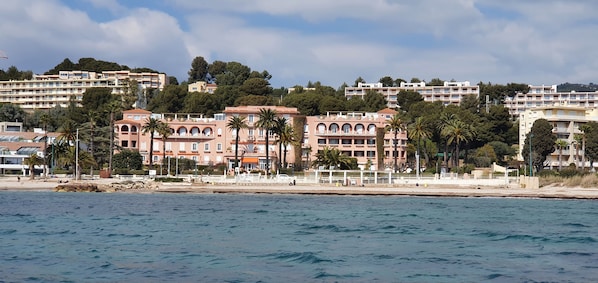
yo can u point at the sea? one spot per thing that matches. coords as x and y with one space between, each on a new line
165 237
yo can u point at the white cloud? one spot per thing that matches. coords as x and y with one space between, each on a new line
539 42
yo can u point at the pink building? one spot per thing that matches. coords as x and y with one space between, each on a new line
208 141
354 134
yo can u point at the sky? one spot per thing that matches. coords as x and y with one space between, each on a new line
538 42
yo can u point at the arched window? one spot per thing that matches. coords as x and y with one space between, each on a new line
124 129
359 128
133 129
321 128
207 131
195 131
372 128
219 131
346 128
182 131
333 128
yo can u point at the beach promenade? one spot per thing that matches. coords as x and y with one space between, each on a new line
452 190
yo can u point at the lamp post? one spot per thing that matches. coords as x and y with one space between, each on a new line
531 135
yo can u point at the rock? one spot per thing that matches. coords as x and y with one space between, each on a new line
78 187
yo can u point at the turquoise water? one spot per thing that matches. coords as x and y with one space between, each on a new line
81 237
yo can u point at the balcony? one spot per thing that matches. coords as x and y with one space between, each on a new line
346 134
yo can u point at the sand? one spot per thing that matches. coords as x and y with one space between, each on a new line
553 191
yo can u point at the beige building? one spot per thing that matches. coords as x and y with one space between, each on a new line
566 122
49 91
449 93
201 86
546 96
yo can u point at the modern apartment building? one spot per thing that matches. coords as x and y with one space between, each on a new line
544 96
449 93
566 121
16 145
208 141
49 91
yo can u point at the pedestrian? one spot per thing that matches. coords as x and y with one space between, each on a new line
19 179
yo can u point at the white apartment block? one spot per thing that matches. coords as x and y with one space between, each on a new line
543 96
566 121
449 93
48 91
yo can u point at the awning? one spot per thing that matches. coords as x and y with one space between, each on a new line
249 160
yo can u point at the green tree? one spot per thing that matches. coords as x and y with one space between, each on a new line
542 141
418 131
590 131
199 70
457 132
357 81
386 81
332 157
170 100
32 161
235 124
200 102
258 100
435 82
287 137
165 132
395 125
128 159
255 86
279 125
45 119
407 98
151 126
374 101
266 123
560 145
12 113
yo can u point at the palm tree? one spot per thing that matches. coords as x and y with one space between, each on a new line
560 144
266 122
151 126
418 131
287 136
584 129
457 132
236 123
577 142
279 125
113 107
32 161
445 120
395 124
45 119
164 131
68 132
93 117
329 157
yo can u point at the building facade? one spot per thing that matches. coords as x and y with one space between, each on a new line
208 140
546 96
447 94
566 122
49 91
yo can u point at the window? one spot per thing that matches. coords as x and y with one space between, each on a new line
250 118
133 144
219 147
206 147
125 143
168 146
346 141
333 141
182 146
346 128
321 141
194 146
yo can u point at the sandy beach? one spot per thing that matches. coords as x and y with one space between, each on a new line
553 191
